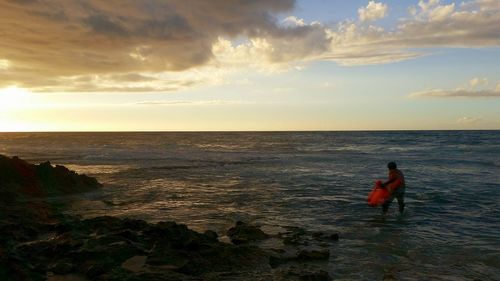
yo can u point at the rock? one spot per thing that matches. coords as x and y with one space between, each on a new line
136 225
320 236
38 242
30 180
62 267
108 249
212 235
315 276
302 273
334 237
225 258
134 264
23 185
294 236
104 224
294 240
166 256
314 255
95 270
276 261
389 277
243 233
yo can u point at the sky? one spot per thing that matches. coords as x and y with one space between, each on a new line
249 65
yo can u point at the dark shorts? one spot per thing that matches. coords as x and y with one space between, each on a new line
399 194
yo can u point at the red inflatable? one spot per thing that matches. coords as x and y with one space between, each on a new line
379 194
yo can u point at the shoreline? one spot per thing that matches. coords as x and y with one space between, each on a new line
38 242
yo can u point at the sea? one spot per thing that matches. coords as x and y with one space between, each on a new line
318 181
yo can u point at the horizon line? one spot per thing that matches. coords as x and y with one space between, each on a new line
255 131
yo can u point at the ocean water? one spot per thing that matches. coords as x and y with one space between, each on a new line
315 180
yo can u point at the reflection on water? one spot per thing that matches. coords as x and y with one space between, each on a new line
318 181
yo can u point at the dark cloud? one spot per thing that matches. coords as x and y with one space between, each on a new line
44 43
57 38
103 25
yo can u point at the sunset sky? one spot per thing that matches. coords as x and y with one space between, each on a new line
184 65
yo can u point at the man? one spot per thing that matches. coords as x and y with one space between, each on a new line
396 191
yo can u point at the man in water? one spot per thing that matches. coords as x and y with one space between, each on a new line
396 191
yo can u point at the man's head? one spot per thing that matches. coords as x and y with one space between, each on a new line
392 165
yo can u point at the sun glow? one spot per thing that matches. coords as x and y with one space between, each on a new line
14 98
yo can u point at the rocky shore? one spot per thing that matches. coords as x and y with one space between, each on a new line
39 242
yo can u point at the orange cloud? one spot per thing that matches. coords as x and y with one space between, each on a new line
44 40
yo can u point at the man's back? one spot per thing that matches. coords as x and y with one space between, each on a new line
395 174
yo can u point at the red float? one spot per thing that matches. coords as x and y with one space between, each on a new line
380 194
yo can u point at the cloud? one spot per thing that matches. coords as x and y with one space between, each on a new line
293 21
120 82
474 82
4 64
74 38
475 88
430 25
432 11
167 45
185 102
469 120
456 94
373 11
436 25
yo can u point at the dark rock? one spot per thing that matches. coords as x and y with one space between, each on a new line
37 239
302 273
96 269
389 277
36 250
162 275
314 255
103 250
243 233
136 225
212 235
22 178
294 236
321 236
275 261
104 224
128 235
225 258
315 276
23 186
334 237
167 256
62 267
294 240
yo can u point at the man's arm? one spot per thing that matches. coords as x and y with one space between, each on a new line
389 181
392 178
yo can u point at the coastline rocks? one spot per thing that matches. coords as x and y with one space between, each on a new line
20 178
109 248
296 236
39 242
243 233
314 255
303 273
104 248
320 236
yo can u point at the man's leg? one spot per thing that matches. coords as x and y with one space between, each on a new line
387 203
401 200
385 207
